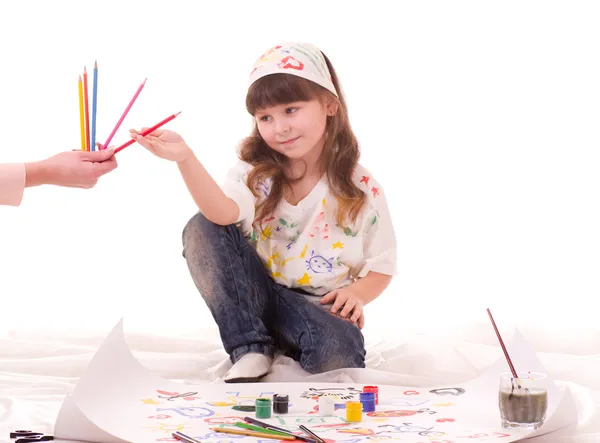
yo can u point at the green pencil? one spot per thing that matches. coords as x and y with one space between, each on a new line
258 429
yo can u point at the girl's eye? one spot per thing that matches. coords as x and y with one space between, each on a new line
264 118
291 110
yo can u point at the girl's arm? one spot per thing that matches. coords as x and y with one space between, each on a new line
207 194
371 286
351 299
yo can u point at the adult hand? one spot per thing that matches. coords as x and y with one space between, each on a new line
73 169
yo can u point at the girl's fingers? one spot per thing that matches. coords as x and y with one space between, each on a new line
356 314
152 138
361 321
340 300
145 143
328 298
350 304
155 133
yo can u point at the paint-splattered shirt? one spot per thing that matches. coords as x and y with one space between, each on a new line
303 247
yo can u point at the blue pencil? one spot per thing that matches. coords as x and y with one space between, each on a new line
94 104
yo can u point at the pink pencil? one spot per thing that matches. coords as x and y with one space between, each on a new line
112 134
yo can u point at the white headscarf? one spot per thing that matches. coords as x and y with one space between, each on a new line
301 59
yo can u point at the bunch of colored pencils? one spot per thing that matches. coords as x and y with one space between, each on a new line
89 143
84 110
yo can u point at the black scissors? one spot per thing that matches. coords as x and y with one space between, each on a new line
30 436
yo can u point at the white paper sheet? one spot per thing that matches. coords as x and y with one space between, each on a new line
123 399
75 426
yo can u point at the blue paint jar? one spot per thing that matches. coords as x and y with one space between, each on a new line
368 401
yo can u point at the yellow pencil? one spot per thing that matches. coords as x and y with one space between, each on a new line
253 434
81 118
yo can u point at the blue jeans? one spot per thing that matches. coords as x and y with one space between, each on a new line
256 314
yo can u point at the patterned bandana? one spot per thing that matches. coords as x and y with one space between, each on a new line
301 59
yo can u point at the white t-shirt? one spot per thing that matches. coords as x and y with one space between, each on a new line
302 246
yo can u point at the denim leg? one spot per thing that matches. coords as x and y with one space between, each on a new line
234 284
311 334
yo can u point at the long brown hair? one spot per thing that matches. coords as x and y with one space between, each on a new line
339 157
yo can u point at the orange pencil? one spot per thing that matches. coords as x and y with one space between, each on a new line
87 111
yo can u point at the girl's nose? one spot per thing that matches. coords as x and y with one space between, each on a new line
281 126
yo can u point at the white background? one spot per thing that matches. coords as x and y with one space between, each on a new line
479 118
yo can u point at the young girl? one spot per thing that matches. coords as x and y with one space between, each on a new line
299 237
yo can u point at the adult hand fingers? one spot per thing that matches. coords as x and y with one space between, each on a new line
106 166
97 156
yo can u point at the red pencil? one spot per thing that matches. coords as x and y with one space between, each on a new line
148 131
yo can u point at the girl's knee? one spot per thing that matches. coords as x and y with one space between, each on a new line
196 227
196 237
343 348
200 233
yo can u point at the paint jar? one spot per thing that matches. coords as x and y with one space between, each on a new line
280 404
368 401
326 405
373 389
353 411
263 408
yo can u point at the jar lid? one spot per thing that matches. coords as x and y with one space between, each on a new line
263 401
354 406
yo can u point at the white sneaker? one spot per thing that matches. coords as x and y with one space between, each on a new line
249 369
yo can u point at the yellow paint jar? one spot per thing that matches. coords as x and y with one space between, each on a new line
353 411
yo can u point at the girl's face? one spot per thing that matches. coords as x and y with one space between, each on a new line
296 130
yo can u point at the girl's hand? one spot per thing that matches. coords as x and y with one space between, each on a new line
350 304
164 144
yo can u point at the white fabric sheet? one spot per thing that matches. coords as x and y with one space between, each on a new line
37 371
